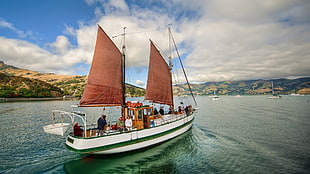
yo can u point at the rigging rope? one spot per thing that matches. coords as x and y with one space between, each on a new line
189 86
137 32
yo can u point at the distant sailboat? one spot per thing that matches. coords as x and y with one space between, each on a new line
296 94
214 96
106 88
274 96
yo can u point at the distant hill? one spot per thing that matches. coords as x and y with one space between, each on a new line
74 85
248 87
13 87
69 85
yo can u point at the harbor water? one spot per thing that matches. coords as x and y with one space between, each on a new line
247 134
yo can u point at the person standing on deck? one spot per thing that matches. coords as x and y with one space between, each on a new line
101 124
161 110
128 123
155 111
120 124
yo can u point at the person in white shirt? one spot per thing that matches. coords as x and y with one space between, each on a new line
128 123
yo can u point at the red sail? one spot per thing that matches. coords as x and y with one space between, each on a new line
104 85
159 83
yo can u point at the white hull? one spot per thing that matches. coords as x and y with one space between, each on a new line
293 94
134 140
274 97
215 98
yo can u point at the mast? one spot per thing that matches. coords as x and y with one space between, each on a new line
170 57
272 87
189 86
124 75
170 64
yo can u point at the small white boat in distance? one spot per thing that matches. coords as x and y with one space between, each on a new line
214 96
57 128
296 94
274 96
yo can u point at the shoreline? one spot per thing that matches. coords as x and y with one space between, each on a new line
2 100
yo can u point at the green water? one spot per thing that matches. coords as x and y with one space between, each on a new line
251 134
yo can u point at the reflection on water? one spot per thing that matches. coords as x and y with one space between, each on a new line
149 160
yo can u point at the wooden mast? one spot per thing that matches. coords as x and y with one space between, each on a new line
170 65
124 75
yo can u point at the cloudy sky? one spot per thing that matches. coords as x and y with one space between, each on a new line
218 39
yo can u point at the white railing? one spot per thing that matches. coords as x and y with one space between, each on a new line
93 127
71 115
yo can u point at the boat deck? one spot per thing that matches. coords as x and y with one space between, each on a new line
93 132
157 121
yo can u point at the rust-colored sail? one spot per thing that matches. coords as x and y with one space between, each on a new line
104 85
159 83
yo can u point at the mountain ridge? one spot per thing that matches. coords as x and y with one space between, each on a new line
71 85
249 87
74 85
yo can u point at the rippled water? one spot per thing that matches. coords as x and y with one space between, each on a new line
251 134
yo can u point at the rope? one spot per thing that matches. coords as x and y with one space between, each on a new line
137 32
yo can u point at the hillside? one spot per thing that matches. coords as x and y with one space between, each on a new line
70 85
74 85
248 87
11 86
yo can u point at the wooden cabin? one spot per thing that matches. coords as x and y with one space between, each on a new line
141 116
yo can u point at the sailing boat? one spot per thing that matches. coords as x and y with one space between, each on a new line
106 88
214 96
274 96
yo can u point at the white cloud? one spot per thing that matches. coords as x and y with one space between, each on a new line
247 40
117 5
20 33
220 39
140 83
27 55
70 31
61 45
5 24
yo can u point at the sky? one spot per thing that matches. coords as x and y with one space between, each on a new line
218 40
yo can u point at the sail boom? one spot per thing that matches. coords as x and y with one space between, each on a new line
160 102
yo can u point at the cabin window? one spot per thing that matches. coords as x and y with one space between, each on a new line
132 114
140 114
150 112
145 112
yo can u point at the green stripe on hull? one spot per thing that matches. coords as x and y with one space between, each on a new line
108 147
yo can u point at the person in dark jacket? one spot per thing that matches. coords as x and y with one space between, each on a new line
155 111
101 124
161 111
